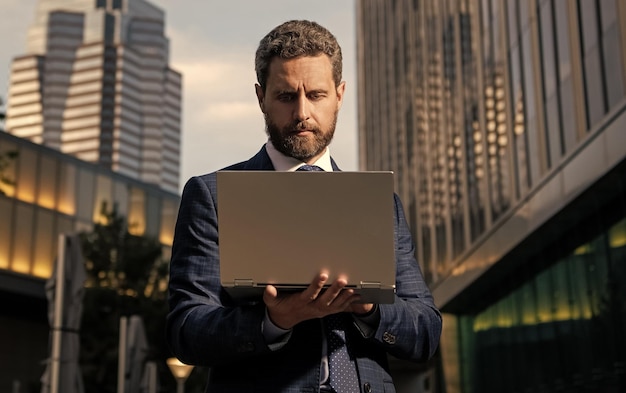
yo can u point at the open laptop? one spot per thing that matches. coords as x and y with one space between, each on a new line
283 228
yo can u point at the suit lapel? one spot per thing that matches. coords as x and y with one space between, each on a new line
260 162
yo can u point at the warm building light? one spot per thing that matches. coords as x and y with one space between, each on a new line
166 236
26 195
7 189
617 235
67 206
42 270
20 265
582 250
46 201
4 262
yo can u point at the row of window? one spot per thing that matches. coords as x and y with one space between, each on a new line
563 327
44 193
485 100
481 107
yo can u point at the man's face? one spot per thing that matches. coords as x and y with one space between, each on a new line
300 104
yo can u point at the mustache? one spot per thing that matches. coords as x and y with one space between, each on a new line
304 125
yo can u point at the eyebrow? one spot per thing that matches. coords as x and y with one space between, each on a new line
292 91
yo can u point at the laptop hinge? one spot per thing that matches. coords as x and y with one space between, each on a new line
370 284
243 282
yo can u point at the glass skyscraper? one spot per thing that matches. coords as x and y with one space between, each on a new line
505 124
96 83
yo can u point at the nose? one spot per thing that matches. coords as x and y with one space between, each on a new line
302 108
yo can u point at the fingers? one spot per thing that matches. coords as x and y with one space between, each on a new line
270 295
313 290
336 297
334 291
316 301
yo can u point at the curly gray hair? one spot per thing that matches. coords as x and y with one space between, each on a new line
293 39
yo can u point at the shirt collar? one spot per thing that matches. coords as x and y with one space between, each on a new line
283 163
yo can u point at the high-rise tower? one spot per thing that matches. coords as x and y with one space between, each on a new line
95 83
505 125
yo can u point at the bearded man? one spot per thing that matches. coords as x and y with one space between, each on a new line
278 343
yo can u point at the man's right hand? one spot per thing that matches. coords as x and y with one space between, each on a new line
286 310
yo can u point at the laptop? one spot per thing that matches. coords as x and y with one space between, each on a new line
284 228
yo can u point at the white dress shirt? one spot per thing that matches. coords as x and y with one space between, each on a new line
277 337
274 335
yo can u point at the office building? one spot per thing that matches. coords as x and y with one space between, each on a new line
505 123
95 83
44 193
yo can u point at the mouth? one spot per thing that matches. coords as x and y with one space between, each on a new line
302 132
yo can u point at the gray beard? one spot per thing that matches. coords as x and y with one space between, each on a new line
286 142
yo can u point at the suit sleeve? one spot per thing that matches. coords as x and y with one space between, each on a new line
201 329
410 327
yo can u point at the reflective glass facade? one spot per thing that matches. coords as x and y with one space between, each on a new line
564 325
504 123
44 193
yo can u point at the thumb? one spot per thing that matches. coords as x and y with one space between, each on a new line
270 295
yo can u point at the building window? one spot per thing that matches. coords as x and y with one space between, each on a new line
169 211
592 66
563 325
566 111
104 199
26 180
612 49
496 136
550 78
67 189
518 116
534 141
21 260
45 246
6 232
85 193
47 193
137 212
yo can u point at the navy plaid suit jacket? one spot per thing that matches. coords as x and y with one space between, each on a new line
205 327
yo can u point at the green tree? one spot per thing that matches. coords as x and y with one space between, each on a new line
126 275
6 160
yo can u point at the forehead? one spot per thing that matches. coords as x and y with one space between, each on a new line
304 70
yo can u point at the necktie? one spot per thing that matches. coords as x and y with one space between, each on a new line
342 370
309 168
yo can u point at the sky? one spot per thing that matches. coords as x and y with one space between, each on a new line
212 44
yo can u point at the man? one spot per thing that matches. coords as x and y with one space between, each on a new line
278 343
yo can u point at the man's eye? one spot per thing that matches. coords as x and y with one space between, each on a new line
316 96
285 97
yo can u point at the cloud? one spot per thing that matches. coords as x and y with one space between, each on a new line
217 78
233 110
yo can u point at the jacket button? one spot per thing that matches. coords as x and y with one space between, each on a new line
247 346
367 388
389 338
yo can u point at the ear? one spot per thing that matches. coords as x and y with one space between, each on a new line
260 96
340 90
